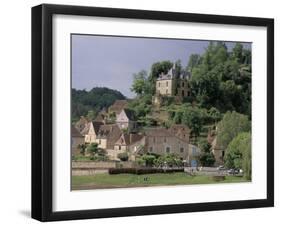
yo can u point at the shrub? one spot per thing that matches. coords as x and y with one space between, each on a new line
140 171
123 156
122 170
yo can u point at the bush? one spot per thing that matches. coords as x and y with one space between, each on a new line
122 170
123 156
140 171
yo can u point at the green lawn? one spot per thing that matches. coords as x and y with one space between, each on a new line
132 180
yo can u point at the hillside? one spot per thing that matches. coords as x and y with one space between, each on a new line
89 103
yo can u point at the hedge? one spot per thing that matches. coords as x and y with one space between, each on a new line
140 171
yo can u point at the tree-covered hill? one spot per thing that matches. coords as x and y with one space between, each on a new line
89 103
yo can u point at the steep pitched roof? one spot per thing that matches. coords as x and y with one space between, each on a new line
75 132
97 125
100 117
127 139
81 123
110 131
171 74
158 132
178 128
162 132
118 106
86 129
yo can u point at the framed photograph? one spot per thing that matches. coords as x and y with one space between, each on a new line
145 112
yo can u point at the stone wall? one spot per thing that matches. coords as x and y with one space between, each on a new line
87 168
92 165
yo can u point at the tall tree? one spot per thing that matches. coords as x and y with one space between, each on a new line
194 61
140 83
238 154
230 126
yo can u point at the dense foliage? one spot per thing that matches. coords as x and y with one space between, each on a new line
238 154
89 103
96 153
168 160
206 157
123 156
230 126
222 79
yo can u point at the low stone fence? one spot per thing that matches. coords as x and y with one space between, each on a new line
83 168
87 171
92 165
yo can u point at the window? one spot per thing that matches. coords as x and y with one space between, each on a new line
165 139
167 84
182 92
182 84
167 149
119 147
222 153
159 84
181 150
150 149
166 91
99 141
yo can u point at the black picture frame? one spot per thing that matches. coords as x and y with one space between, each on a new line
42 111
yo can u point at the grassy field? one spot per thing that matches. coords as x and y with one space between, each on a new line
132 180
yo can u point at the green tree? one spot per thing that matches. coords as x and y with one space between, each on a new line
238 154
238 52
230 126
97 154
148 159
194 61
193 117
206 157
140 83
95 100
93 149
214 114
82 148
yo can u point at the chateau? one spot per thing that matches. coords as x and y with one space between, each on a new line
171 84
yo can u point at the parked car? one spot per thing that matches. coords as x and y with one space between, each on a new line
233 171
221 168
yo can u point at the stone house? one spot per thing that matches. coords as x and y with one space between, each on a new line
108 135
76 140
171 84
82 123
101 117
91 131
181 131
126 120
162 141
130 143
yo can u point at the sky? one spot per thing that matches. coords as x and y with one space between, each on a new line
110 61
